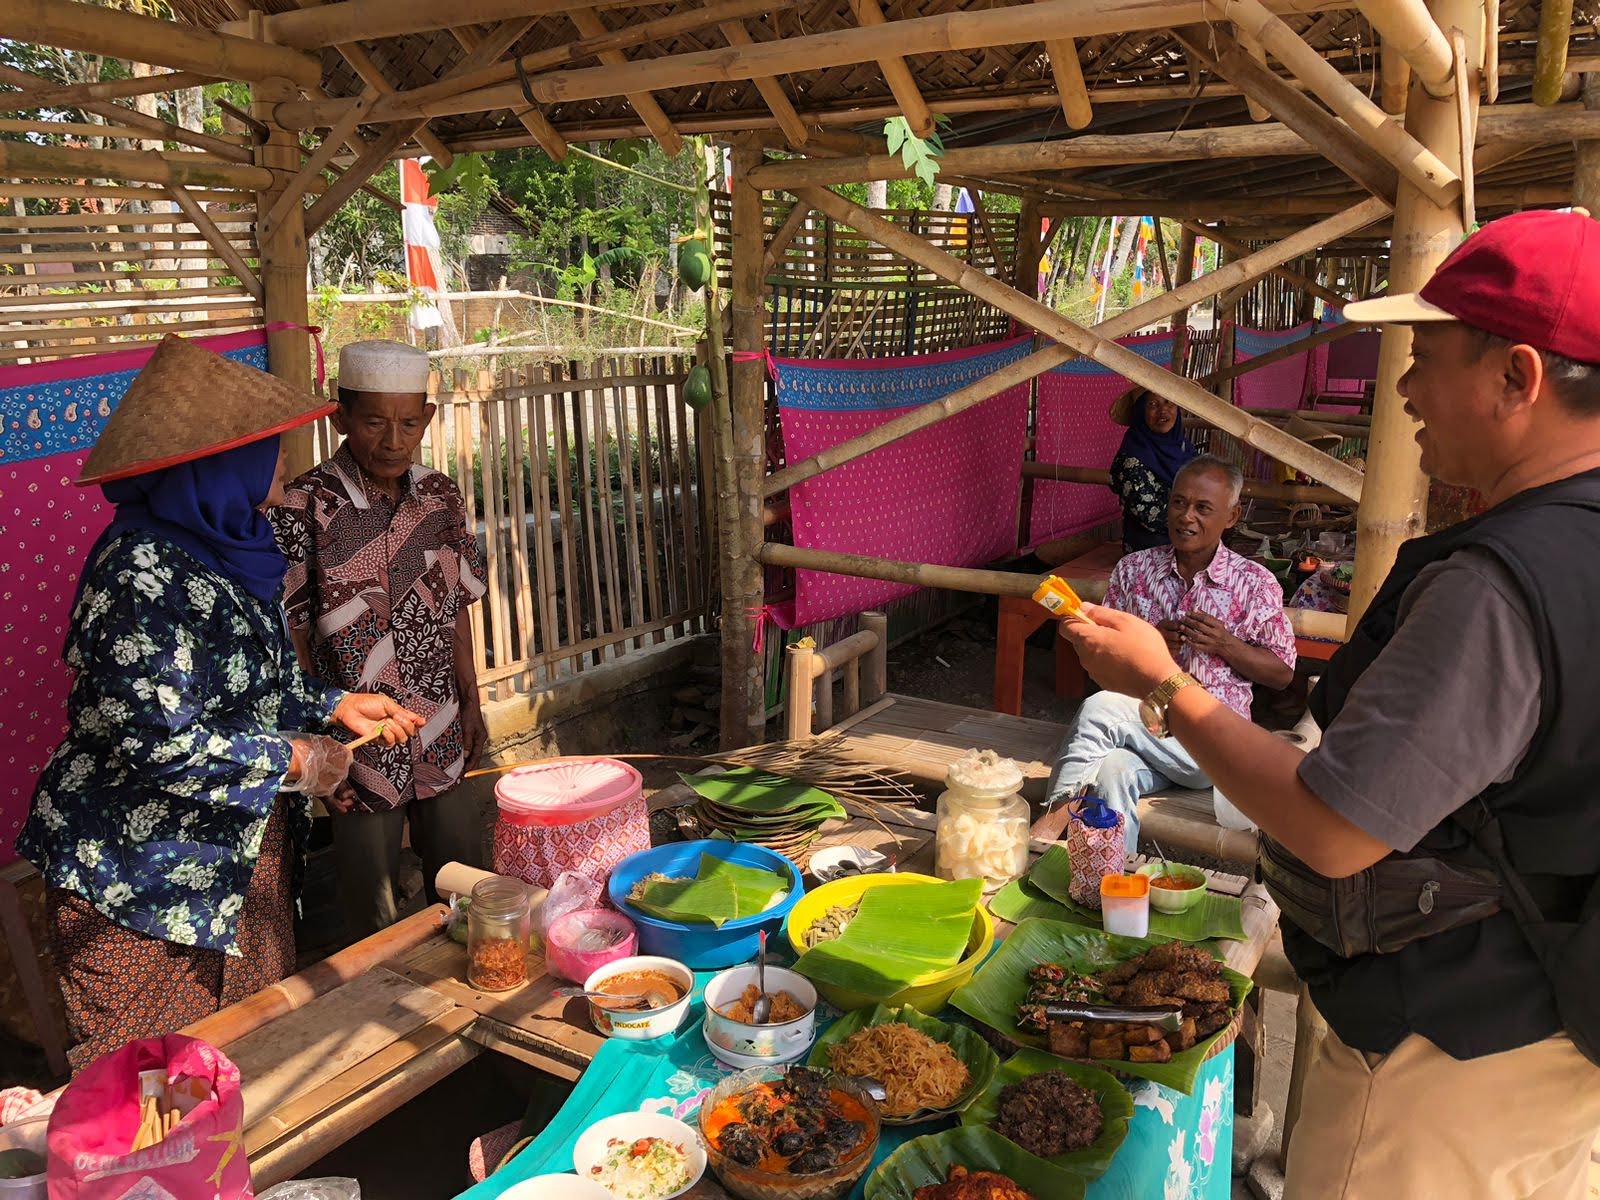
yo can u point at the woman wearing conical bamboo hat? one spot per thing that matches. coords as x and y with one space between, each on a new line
168 823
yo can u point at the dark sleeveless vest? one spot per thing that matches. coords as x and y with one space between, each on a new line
1478 989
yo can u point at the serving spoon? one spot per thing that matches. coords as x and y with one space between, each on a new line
761 1010
652 999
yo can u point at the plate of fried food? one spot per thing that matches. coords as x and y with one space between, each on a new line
1155 1010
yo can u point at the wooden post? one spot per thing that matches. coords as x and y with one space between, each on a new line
876 684
1395 497
283 264
1185 271
1586 156
1550 61
1030 247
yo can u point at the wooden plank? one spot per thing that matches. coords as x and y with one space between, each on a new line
606 511
544 534
491 449
593 552
328 1036
680 583
308 1106
630 516
647 485
572 582
466 480
522 583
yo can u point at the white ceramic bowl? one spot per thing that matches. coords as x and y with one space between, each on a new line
590 1147
555 1187
761 1045
743 1062
644 1025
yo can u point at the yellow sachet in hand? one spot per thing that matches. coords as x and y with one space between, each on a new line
1057 595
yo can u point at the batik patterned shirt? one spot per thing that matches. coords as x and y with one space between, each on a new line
376 586
1241 594
154 805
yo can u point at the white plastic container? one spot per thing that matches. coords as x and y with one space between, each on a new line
25 1135
1125 905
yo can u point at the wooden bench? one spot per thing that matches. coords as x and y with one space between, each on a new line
1020 616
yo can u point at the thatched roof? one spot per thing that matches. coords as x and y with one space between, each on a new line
1142 81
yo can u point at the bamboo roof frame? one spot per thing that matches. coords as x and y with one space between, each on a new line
1080 107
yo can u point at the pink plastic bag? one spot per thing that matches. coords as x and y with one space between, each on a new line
98 1115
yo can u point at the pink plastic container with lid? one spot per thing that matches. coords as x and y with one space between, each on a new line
568 814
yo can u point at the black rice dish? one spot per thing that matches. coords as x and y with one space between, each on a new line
1049 1114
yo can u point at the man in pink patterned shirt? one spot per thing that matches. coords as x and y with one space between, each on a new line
1223 619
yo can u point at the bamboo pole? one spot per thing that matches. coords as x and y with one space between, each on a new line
1337 142
1258 55
1394 78
1185 270
80 95
1299 346
283 258
25 160
482 51
1250 266
955 30
1254 489
378 86
183 47
589 25
1366 120
902 85
1067 71
1407 27
1235 246
875 684
1182 392
771 89
743 687
798 660
313 167
363 169
1394 505
792 224
225 249
1550 57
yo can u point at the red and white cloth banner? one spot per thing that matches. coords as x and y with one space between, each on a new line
424 268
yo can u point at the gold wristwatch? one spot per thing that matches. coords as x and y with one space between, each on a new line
1153 708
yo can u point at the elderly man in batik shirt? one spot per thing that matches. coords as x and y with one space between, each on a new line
1223 618
382 570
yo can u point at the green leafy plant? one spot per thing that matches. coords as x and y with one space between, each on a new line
920 155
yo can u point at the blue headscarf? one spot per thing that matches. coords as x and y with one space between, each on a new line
1163 453
209 509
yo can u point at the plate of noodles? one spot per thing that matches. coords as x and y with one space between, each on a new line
930 1069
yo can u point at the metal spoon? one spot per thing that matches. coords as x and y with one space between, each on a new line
761 1010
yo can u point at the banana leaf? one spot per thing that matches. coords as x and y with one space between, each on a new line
898 935
927 1160
1002 983
719 892
1215 916
1116 1107
756 791
965 1043
689 901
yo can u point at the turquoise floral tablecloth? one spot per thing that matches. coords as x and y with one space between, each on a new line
1178 1147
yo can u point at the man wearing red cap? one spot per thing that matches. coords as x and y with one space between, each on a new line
1436 858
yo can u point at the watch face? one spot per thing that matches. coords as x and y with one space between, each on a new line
1154 721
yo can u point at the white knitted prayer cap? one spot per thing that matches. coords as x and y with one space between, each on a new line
383 367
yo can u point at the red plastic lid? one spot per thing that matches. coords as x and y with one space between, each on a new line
565 791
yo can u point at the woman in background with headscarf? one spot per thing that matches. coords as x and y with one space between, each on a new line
1146 463
163 823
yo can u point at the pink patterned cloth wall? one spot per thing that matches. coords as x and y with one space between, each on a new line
1287 383
50 415
947 494
1074 429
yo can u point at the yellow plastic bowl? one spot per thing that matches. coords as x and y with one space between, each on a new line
926 994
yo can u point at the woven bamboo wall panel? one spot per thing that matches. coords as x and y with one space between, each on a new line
84 268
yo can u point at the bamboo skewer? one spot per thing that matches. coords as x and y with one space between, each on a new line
371 736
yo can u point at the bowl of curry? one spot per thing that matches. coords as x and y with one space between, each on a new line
1174 887
789 1133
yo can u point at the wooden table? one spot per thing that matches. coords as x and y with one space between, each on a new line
330 1052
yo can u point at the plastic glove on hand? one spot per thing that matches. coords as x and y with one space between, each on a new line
318 764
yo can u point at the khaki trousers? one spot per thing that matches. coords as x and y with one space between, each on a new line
1417 1124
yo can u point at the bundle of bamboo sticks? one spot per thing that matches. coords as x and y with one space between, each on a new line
158 1111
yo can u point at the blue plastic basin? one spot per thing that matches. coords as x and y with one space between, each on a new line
703 946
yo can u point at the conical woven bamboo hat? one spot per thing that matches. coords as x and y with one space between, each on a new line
188 403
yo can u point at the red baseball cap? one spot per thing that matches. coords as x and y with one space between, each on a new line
1533 277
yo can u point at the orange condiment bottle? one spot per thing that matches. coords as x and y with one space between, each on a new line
1057 595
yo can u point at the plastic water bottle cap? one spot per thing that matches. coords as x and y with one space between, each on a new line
1095 812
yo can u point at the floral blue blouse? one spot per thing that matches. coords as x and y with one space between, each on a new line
154 806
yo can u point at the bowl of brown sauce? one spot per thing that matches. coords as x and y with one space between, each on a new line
663 986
